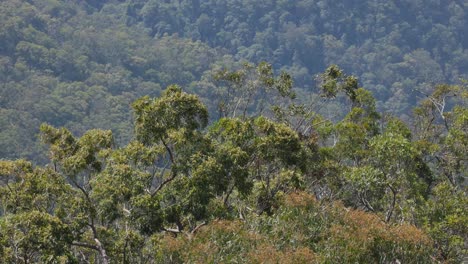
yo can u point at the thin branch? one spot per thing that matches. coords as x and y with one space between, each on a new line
172 230
102 251
235 108
392 206
366 203
85 245
173 176
86 194
197 227
226 199
159 178
171 155
173 173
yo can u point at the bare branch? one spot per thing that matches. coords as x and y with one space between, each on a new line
85 245
171 155
173 176
172 230
392 206
226 199
173 173
197 227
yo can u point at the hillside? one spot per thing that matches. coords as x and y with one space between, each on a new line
80 64
233 131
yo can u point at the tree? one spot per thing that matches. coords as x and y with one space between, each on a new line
32 203
244 92
441 129
77 160
444 218
272 159
99 202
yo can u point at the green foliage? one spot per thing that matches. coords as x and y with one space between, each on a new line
271 158
174 112
301 231
444 217
247 189
441 126
76 155
29 232
243 92
35 237
108 196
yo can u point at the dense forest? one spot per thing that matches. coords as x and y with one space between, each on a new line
233 131
80 64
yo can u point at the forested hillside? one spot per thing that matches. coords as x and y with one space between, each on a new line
233 131
79 64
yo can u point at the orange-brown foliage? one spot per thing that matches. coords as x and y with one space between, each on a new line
266 254
300 199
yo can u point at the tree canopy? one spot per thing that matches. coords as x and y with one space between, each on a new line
150 131
251 188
